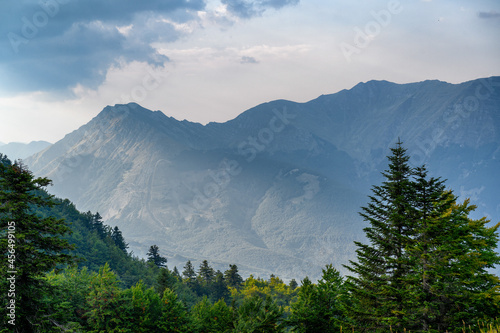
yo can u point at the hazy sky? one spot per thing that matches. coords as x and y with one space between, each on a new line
63 61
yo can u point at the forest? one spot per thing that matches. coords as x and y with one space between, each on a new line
425 268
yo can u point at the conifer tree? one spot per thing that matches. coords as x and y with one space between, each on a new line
383 265
103 301
31 245
190 276
259 315
431 203
206 273
232 277
98 225
174 316
219 288
319 308
461 287
155 257
212 318
176 273
165 279
426 267
188 272
293 284
117 237
452 254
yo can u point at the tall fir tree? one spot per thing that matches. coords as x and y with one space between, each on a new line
155 257
232 277
426 267
319 308
383 265
431 202
97 224
117 237
176 273
218 288
206 273
165 280
189 273
452 254
31 246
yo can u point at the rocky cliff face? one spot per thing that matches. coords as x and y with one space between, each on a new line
277 189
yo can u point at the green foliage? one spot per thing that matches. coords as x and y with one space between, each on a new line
232 277
426 265
166 279
293 284
71 290
319 308
212 318
139 310
259 315
189 273
174 316
155 257
96 248
31 245
117 237
425 269
103 301
206 273
274 287
378 286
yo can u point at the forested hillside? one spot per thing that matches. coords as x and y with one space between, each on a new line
424 269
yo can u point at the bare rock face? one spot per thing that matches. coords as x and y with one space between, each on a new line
278 189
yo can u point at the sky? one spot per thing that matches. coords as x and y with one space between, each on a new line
63 61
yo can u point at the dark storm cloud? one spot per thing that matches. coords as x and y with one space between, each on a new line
249 8
488 15
54 44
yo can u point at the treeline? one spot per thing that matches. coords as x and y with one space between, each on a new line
202 301
424 269
96 244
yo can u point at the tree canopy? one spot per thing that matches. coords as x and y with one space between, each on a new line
426 264
31 246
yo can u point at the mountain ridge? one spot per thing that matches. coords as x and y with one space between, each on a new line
19 150
276 189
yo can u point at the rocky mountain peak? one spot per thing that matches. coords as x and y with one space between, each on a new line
278 188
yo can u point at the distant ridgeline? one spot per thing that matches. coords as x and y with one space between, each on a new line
278 188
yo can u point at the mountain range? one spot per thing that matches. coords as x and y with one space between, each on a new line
18 150
277 190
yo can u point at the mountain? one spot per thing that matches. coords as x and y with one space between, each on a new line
17 150
277 189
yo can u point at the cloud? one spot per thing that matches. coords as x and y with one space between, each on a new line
248 60
488 15
52 45
250 8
